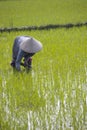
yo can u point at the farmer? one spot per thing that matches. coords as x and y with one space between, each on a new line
24 47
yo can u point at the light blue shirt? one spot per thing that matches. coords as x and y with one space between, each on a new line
18 54
21 54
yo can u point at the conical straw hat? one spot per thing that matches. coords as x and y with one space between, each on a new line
31 45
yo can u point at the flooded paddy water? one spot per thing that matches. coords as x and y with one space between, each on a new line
46 102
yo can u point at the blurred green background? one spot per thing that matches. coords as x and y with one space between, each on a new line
41 12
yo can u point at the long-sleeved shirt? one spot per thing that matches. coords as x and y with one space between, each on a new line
18 54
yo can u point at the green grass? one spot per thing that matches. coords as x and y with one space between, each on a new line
39 12
52 96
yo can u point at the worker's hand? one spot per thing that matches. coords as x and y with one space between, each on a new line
12 64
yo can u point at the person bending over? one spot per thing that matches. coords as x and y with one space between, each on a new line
24 47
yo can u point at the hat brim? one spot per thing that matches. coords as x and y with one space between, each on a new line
31 45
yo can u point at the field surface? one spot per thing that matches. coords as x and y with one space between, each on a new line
39 12
53 94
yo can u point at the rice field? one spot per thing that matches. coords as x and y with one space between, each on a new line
53 94
19 13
